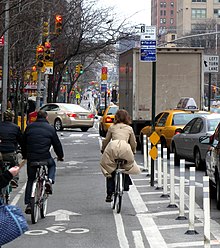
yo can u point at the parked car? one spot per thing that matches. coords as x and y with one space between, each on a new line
213 162
186 144
107 119
66 115
167 122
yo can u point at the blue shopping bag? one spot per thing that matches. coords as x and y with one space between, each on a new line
12 223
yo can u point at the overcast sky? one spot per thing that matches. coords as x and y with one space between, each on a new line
138 9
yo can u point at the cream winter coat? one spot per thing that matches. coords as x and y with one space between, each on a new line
120 142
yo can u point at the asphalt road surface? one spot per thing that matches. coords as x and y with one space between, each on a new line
79 217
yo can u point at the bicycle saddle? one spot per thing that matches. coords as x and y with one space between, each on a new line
119 160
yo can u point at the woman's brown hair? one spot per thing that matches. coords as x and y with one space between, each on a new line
122 116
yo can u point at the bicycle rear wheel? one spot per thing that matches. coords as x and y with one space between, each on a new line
43 205
35 204
120 192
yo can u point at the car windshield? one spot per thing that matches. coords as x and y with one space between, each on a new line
112 110
183 118
74 108
212 124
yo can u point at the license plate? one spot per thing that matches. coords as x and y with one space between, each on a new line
83 117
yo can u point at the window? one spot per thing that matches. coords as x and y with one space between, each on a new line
199 1
171 20
164 20
198 13
161 20
216 1
197 126
164 4
217 13
172 4
161 4
164 12
161 12
171 12
163 119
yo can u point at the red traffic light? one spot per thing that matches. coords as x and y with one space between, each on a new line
47 45
58 18
40 49
34 68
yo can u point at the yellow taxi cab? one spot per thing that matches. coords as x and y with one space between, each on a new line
168 122
107 119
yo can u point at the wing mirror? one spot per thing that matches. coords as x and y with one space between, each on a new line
205 140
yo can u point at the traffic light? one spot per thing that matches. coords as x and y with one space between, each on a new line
47 51
58 24
77 69
40 56
80 69
45 29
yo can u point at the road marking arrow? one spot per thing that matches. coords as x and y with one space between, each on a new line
62 215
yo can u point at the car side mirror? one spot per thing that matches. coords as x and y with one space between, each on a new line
179 130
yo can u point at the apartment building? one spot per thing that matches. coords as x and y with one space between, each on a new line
191 13
163 15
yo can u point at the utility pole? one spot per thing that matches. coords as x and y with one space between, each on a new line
5 60
39 70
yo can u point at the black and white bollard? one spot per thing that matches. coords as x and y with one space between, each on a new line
182 191
206 210
192 198
159 168
172 183
165 192
145 151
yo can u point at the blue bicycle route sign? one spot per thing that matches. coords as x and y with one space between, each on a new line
148 51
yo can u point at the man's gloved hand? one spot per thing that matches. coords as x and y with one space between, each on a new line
60 159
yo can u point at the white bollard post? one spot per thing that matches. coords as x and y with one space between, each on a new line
182 191
159 169
172 183
206 210
148 157
165 193
145 151
192 177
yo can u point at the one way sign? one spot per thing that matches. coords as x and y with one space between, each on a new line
210 63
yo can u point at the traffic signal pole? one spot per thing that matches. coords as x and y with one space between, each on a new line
39 69
5 60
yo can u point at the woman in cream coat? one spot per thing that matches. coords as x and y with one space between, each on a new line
120 142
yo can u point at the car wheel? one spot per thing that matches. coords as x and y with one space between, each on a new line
176 156
58 125
197 159
84 129
217 192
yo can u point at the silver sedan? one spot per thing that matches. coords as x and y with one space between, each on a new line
186 145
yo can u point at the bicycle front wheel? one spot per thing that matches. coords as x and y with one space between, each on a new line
34 204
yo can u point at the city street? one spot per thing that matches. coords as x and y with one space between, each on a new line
78 215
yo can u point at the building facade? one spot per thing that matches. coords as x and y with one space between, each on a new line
191 13
163 15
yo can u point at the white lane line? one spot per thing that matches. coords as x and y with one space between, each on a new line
138 240
171 212
157 202
164 227
123 242
93 135
149 227
191 244
143 186
76 135
141 179
18 196
152 193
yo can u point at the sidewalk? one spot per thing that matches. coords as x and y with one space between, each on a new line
162 220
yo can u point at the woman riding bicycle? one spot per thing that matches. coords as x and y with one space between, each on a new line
120 143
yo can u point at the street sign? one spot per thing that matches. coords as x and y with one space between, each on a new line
2 41
154 138
49 68
153 153
148 52
210 63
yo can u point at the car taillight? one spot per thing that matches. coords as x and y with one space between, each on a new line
72 115
108 120
91 116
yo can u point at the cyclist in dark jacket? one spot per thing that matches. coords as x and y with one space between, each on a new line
10 138
38 138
